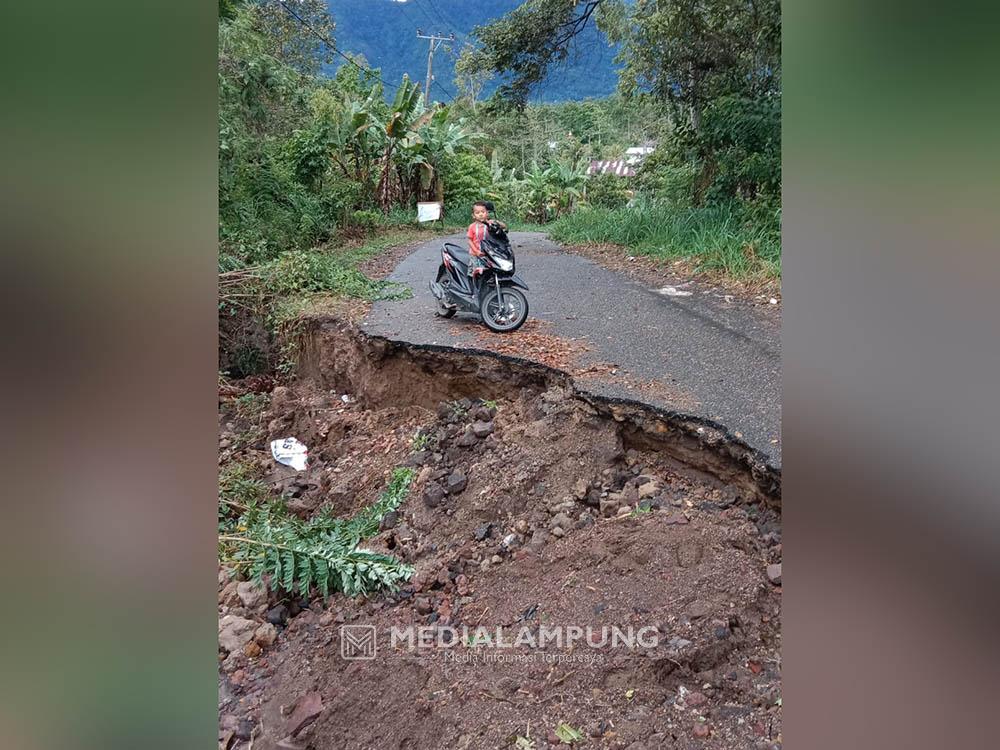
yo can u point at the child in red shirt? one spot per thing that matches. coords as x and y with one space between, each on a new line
477 233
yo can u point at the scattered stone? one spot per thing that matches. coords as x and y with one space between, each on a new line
229 596
244 729
558 532
624 510
581 488
433 495
467 440
419 458
702 731
389 520
235 632
677 643
496 559
695 699
512 541
252 595
609 507
774 574
423 605
307 710
252 650
648 489
560 519
482 429
675 518
521 527
456 482
699 609
538 539
277 615
265 635
482 532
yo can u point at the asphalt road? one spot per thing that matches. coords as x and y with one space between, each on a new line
714 357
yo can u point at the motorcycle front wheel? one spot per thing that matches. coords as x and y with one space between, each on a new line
507 317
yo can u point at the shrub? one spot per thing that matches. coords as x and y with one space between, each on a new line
466 179
607 191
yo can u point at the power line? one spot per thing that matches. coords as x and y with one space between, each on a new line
326 40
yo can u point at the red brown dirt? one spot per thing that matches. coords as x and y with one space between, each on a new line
690 561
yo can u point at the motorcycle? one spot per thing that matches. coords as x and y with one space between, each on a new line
494 293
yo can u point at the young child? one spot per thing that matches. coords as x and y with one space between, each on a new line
477 233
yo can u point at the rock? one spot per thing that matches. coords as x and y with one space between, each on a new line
467 440
675 518
456 482
433 495
521 527
558 532
423 605
235 632
228 596
699 609
560 519
264 635
482 532
512 541
419 458
389 520
307 709
482 429
277 615
774 574
624 510
609 507
252 595
594 498
648 489
538 539
695 699
252 650
244 729
701 731
581 488
496 560
676 643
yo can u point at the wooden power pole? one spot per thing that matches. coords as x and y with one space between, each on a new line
434 41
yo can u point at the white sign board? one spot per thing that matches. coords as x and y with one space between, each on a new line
428 211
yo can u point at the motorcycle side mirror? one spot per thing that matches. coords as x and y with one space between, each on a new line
489 206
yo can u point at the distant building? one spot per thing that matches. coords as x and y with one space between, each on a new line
621 167
636 154
618 167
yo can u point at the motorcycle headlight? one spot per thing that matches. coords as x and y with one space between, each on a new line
505 265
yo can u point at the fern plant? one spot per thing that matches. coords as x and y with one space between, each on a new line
320 553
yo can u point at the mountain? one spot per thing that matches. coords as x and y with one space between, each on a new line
385 32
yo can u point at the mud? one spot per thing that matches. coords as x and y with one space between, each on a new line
572 510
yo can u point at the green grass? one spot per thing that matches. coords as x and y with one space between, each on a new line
739 241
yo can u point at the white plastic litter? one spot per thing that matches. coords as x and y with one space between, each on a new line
290 452
670 291
346 399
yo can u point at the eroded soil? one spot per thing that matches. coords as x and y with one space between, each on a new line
534 507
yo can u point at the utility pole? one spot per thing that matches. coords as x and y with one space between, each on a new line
435 41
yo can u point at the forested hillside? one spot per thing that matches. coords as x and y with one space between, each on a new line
385 32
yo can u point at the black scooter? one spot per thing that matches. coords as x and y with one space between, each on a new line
495 294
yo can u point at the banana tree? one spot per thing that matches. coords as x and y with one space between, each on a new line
434 139
567 181
403 115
